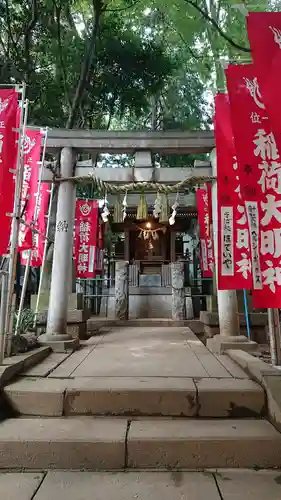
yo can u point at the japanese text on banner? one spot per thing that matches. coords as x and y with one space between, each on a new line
30 187
40 226
204 207
264 32
260 176
86 239
234 256
8 155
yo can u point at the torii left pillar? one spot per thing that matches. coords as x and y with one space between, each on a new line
56 335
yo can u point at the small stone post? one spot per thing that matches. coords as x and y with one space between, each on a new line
178 296
122 290
56 335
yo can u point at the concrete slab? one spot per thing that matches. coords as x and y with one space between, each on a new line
174 485
19 486
203 444
17 364
230 398
45 367
232 367
249 485
212 365
219 345
197 346
152 359
67 367
28 359
138 352
41 397
257 368
272 385
121 335
131 396
61 443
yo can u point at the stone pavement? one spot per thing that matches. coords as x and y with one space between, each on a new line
137 398
173 485
146 352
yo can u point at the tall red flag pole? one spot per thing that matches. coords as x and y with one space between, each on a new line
16 217
35 217
44 254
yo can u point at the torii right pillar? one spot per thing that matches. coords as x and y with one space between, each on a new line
229 324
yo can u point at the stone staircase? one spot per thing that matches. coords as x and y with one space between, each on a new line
103 423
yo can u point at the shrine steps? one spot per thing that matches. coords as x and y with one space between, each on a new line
116 423
118 444
135 397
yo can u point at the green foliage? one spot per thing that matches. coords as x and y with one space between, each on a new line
122 64
26 321
47 47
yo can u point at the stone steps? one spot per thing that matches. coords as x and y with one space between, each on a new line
107 443
145 396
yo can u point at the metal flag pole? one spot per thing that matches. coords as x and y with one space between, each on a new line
3 308
44 255
35 217
23 291
16 218
246 309
274 336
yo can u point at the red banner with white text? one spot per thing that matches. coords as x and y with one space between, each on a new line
260 181
40 227
234 256
86 238
204 209
8 154
30 188
264 32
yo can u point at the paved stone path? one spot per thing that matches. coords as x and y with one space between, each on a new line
176 485
132 357
145 352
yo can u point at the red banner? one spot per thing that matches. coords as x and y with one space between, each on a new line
86 238
8 154
264 32
234 256
30 192
40 226
204 208
260 181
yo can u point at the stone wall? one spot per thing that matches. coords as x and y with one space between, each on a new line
146 303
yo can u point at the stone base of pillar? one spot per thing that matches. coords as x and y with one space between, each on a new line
75 301
76 323
219 344
59 343
258 322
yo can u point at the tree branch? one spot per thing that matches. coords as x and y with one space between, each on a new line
58 16
124 8
89 57
217 27
9 28
27 36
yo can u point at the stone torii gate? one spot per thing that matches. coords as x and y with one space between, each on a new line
70 143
